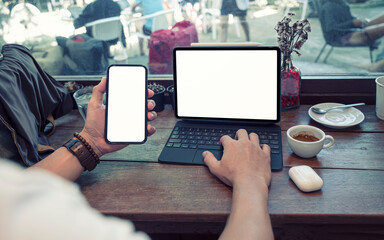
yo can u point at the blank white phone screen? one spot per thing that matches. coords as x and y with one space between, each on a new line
126 110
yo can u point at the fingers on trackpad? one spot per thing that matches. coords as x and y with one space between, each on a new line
198 159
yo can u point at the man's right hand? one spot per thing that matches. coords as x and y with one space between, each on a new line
243 160
245 166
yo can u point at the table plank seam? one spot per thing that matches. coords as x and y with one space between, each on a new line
331 168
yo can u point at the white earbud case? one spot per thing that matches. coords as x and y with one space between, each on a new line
305 178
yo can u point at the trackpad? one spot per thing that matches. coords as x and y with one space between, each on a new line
198 159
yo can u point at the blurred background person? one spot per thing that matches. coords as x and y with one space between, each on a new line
347 29
96 10
238 8
192 9
377 66
147 7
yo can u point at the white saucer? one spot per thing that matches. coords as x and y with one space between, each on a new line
338 118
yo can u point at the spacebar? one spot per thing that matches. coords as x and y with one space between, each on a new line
210 147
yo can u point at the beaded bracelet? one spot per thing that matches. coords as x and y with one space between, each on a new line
85 143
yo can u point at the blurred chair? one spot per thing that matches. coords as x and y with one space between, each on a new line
108 29
24 23
333 43
303 12
210 11
161 20
75 11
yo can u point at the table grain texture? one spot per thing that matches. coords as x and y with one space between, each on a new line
189 201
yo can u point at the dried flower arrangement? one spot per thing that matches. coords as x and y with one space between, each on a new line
291 38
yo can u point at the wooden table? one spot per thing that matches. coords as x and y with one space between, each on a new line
178 199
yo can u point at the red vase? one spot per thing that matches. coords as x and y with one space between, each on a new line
290 87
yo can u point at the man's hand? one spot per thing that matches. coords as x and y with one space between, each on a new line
245 166
243 160
93 131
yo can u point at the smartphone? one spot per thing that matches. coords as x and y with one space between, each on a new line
126 104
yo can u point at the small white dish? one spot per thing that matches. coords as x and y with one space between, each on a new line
338 118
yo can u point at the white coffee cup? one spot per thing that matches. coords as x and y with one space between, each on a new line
308 149
380 97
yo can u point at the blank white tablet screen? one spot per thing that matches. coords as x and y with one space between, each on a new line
228 84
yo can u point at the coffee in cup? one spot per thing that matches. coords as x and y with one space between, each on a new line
305 137
307 141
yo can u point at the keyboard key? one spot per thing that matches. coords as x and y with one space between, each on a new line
184 145
172 140
169 144
176 145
